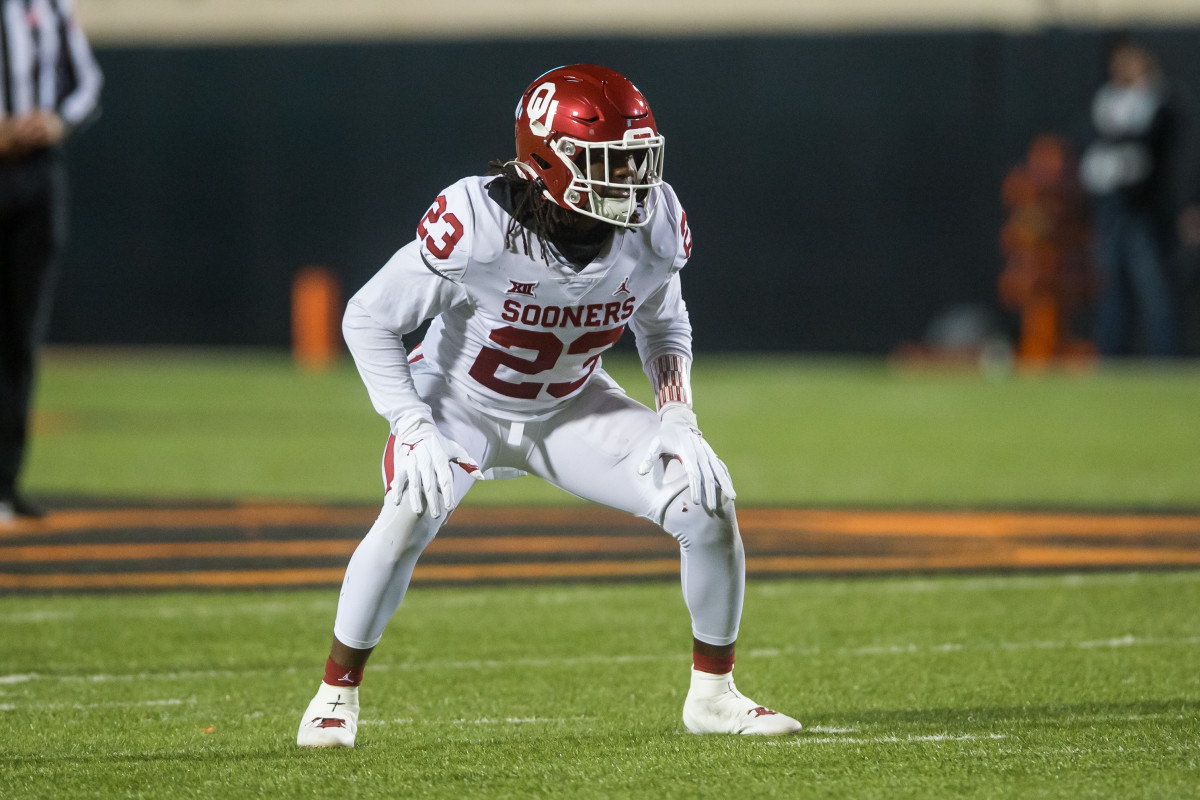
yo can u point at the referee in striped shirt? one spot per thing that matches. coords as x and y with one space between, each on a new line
49 88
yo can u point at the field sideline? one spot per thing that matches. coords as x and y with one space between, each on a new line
304 545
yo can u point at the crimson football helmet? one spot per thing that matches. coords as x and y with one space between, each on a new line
587 135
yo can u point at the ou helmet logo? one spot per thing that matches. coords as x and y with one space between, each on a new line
542 104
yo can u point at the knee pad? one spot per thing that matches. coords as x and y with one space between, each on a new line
672 495
695 526
400 534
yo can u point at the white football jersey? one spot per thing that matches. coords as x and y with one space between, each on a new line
517 336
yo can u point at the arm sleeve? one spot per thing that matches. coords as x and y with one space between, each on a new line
671 378
661 324
664 341
401 296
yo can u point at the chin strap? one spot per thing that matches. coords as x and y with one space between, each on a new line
525 170
615 209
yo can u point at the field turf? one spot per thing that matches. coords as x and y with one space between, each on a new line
795 432
1017 685
1037 686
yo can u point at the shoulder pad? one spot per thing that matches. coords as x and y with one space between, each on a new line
446 232
670 235
490 222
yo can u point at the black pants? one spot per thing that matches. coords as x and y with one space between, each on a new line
32 230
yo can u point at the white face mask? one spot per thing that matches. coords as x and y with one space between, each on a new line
630 201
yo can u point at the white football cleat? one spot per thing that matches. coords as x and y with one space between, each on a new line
331 719
714 705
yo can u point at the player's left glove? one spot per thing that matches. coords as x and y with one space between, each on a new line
679 437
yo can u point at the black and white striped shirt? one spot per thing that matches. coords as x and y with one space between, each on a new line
46 61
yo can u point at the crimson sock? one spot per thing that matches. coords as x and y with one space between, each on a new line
337 675
715 665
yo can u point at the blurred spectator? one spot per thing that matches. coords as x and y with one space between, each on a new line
1128 170
1189 222
50 87
1189 269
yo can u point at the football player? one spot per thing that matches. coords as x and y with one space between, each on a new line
529 274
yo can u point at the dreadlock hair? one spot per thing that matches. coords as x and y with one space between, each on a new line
533 216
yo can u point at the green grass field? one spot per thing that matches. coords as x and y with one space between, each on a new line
1051 686
1044 685
793 431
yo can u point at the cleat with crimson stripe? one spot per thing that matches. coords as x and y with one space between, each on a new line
331 719
714 705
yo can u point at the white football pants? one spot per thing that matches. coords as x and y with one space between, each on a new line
592 449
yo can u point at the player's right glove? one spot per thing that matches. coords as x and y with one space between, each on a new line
424 460
678 437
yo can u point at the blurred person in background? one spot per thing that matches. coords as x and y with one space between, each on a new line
1189 222
49 88
1128 170
1189 269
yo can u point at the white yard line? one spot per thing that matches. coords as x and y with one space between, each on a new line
190 611
87 706
146 676
1115 642
36 617
823 729
831 733
801 740
901 585
22 678
480 721
557 596
828 734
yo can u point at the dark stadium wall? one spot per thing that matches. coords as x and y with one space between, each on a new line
843 189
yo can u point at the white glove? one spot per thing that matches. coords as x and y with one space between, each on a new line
422 458
678 437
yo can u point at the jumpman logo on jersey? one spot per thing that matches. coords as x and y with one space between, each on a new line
623 288
346 679
525 289
410 447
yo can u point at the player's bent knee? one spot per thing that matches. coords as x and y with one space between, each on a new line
400 535
695 526
673 493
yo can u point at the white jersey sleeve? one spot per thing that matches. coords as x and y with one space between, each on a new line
661 323
422 280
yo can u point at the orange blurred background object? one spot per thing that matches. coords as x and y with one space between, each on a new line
1048 274
316 318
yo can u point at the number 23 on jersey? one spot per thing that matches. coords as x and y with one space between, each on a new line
439 230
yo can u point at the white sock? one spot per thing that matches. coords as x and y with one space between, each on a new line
706 684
